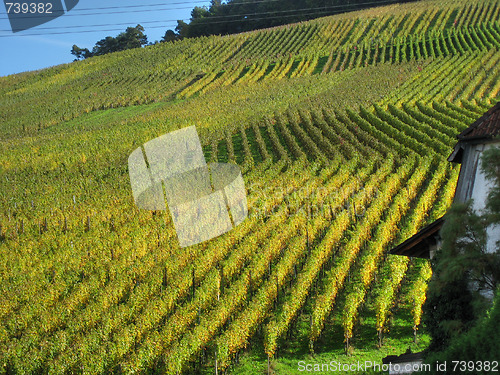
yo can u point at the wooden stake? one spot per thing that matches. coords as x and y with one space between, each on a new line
193 286
87 225
164 281
250 281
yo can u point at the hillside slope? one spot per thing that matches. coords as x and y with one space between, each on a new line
341 125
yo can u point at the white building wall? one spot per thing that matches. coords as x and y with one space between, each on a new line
480 189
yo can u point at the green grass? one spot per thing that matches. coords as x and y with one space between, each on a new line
331 348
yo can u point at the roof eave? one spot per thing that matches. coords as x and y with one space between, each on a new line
418 245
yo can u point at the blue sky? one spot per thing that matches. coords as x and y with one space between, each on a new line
50 44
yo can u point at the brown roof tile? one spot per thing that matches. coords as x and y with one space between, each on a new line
487 126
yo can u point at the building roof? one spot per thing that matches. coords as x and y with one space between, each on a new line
487 126
484 128
419 244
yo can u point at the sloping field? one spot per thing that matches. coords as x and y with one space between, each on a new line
342 127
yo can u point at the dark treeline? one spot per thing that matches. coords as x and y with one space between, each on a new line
132 37
237 16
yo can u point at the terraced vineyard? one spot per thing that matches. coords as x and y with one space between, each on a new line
342 127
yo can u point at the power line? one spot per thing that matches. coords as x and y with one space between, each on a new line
73 12
246 17
178 3
101 25
138 6
75 32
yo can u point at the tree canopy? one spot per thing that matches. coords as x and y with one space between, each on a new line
235 16
132 37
